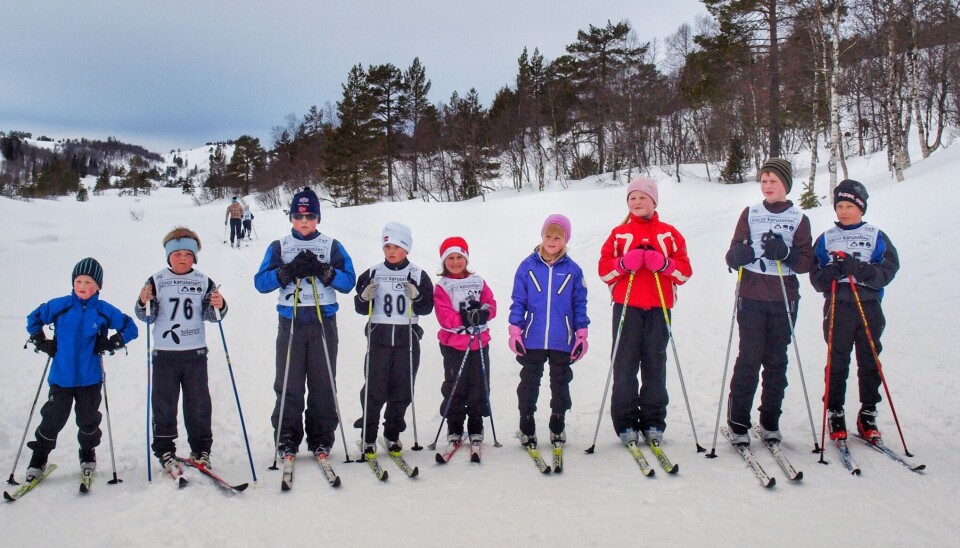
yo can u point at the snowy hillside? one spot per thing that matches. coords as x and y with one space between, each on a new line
600 499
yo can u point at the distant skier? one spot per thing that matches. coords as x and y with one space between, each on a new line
234 216
247 231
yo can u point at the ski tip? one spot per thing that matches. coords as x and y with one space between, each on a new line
674 469
336 482
475 458
798 477
558 470
919 468
416 472
440 459
182 482
84 489
650 473
240 488
7 497
384 476
771 483
284 486
547 470
855 471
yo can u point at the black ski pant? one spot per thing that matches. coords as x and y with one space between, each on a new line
848 331
764 337
388 382
247 230
528 391
308 384
236 231
85 401
642 346
469 401
173 371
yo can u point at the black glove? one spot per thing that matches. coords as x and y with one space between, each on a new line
740 254
848 265
324 272
108 344
285 275
42 344
832 271
774 248
302 265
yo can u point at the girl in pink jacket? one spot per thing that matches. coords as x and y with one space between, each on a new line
464 304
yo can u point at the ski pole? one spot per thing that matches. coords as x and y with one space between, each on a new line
413 401
366 375
796 350
33 407
676 359
613 357
286 375
826 382
333 380
486 389
726 363
236 394
224 232
147 309
876 359
453 392
106 407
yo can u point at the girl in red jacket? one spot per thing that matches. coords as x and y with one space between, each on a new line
464 304
639 251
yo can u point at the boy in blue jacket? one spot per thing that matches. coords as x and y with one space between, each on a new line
81 322
304 261
548 323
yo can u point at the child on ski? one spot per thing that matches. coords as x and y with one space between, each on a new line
247 231
642 261
181 299
772 244
306 268
853 252
548 324
393 295
464 304
81 322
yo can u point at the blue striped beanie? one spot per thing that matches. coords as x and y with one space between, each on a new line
89 267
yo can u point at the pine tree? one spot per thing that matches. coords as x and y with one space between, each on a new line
352 166
246 163
386 87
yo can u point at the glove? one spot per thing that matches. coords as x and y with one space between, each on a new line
105 344
284 275
774 248
832 271
324 272
302 265
655 261
42 344
368 292
633 259
410 289
579 345
848 265
516 340
474 314
740 254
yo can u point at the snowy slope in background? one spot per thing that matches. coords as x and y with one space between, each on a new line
600 499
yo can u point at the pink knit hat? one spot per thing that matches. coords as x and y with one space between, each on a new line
561 221
645 185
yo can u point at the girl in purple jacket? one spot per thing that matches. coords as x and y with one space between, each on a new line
548 323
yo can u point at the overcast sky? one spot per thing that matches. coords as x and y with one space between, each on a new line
176 74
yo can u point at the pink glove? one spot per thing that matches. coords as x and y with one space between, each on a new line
653 260
516 340
633 260
579 345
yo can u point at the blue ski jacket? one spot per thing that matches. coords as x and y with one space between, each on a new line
549 302
76 324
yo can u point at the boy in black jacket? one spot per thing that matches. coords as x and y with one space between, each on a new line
853 253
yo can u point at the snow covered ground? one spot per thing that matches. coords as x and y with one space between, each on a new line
600 499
